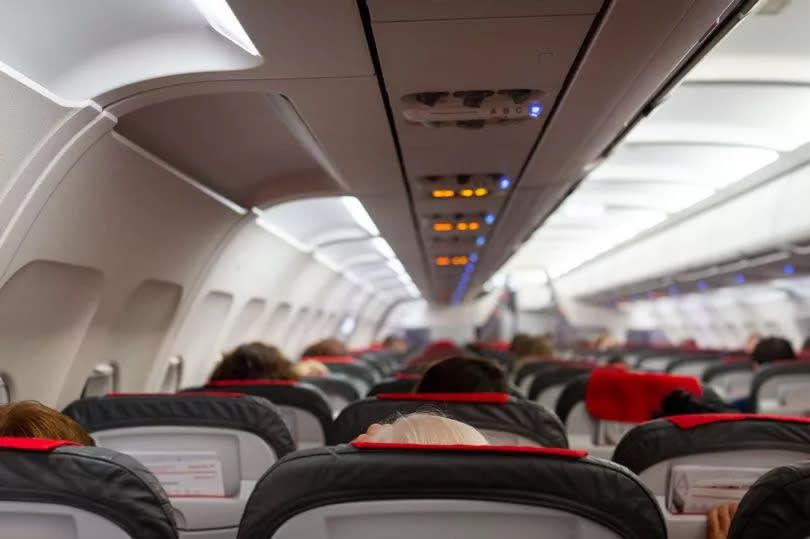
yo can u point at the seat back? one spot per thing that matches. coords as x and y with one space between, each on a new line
400 383
359 371
234 438
600 408
304 408
549 384
657 362
782 388
692 365
670 454
776 505
731 380
528 371
60 490
338 390
476 492
502 419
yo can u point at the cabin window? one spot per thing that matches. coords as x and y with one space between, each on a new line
5 388
103 380
174 375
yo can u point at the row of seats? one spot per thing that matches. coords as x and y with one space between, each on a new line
364 489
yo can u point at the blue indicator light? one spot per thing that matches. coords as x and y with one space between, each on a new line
740 278
703 285
651 295
535 109
789 269
673 290
480 241
489 218
504 183
473 257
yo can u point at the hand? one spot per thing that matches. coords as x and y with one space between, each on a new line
718 521
373 429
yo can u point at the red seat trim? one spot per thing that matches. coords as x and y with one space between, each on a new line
223 383
697 420
491 398
33 444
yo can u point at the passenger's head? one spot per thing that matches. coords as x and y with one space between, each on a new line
806 345
310 367
463 375
438 351
396 343
618 362
751 342
772 349
30 419
540 346
254 361
326 348
424 429
520 344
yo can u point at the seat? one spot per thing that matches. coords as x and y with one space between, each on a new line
475 492
238 436
61 490
654 449
400 383
354 369
546 387
777 505
782 387
527 372
598 408
692 365
502 419
338 390
657 362
730 379
304 408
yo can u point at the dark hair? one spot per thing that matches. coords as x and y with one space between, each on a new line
463 375
326 348
254 361
772 349
806 344
31 419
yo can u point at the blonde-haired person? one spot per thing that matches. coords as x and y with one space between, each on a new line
427 429
32 419
310 367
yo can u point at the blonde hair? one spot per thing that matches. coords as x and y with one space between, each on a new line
430 429
310 367
32 419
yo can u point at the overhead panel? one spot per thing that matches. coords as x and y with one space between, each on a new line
470 86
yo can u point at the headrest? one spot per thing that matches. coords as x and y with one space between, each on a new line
107 483
490 412
566 481
668 438
776 505
632 397
393 385
555 377
490 398
206 409
282 393
334 385
407 376
570 453
777 369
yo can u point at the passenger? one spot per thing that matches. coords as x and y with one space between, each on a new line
395 343
310 367
681 402
31 419
540 346
806 345
520 345
436 351
772 349
718 521
326 348
751 342
463 375
254 361
618 362
420 428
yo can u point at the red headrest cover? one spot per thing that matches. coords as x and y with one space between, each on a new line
33 444
697 420
492 398
221 383
570 453
632 397
330 359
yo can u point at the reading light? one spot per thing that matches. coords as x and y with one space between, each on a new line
473 257
442 227
480 241
442 261
222 19
360 215
535 109
459 260
740 278
466 193
481 192
475 225
504 183
443 193
461 226
489 218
